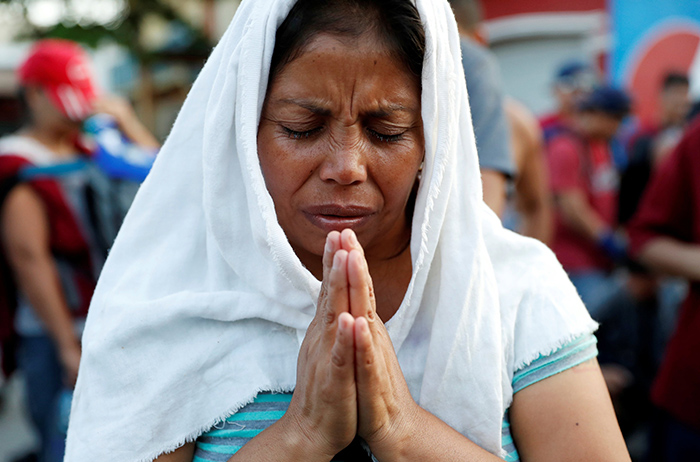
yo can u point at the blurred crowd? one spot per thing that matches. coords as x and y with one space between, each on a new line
617 201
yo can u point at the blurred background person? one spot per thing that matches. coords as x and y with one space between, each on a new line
486 101
573 81
664 234
530 206
54 238
651 303
584 185
675 105
653 143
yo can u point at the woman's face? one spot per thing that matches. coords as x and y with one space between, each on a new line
340 144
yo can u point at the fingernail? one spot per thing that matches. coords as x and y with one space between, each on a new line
353 238
328 244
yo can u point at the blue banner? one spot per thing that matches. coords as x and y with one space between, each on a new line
637 24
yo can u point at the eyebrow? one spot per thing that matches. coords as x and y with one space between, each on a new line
308 105
382 111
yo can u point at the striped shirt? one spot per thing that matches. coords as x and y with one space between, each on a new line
225 439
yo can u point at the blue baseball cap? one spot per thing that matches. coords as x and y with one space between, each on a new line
576 75
607 99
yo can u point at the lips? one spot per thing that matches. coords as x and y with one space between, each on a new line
332 217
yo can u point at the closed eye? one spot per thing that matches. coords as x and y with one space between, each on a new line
297 135
384 137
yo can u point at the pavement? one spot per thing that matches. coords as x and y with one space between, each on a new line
16 435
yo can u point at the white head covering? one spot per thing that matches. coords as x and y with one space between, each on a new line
203 303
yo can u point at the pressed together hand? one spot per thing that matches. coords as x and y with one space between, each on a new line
348 378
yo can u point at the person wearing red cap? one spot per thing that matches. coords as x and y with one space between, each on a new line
52 250
62 71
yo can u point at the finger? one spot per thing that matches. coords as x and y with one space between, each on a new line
343 351
362 302
332 245
365 356
348 241
336 301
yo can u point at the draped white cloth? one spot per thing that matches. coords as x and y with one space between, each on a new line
202 302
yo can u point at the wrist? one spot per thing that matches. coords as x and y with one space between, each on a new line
612 244
393 439
301 442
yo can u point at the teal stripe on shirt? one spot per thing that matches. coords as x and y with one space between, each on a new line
273 397
572 354
259 415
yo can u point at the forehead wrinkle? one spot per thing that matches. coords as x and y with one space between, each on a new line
382 110
309 105
385 110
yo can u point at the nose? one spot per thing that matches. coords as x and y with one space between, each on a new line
345 163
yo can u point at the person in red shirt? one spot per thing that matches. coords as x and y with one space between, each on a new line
584 184
665 235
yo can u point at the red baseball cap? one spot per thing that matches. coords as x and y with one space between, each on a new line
62 69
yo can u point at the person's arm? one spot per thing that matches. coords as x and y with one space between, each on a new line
567 417
670 256
184 453
568 189
129 124
429 438
533 199
494 184
25 237
579 215
662 230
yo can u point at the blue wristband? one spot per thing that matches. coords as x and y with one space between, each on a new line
613 245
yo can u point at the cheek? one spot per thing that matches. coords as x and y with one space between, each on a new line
283 169
397 178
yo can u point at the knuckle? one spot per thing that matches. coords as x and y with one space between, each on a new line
328 317
371 313
334 284
337 358
370 291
